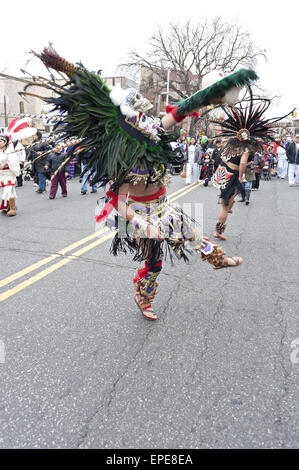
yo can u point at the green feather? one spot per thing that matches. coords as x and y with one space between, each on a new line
203 97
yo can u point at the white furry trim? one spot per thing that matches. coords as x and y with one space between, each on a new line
24 134
232 96
118 95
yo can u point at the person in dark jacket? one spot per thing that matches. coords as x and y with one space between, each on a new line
207 169
54 161
216 155
293 159
259 162
40 170
51 141
34 152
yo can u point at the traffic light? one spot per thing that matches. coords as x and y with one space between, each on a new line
294 114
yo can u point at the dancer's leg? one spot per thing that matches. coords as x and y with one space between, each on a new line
231 203
146 281
218 259
221 223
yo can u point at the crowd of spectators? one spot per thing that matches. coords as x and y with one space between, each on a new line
202 156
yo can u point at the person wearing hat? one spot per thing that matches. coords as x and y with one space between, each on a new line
11 153
247 131
9 170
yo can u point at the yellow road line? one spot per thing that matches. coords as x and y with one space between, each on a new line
186 191
179 191
47 260
52 268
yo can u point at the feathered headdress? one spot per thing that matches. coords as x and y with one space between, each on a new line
113 141
20 129
246 125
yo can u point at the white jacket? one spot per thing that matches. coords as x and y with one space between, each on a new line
9 159
281 153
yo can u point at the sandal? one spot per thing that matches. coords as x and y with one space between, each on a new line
147 311
236 259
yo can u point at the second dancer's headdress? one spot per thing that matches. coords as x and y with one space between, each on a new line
245 124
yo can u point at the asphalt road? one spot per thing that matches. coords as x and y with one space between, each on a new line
81 368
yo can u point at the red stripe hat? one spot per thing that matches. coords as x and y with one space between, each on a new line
20 129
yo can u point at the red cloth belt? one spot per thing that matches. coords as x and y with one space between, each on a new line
151 197
108 208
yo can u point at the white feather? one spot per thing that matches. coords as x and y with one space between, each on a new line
127 111
118 95
211 78
232 96
24 134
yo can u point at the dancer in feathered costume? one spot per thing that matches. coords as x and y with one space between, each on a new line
130 151
10 169
245 130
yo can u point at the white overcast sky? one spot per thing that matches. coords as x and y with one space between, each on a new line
100 33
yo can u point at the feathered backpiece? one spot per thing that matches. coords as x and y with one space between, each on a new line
219 88
246 126
114 142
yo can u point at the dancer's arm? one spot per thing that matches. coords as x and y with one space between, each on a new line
171 118
168 121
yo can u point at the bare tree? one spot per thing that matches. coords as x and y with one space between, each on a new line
191 51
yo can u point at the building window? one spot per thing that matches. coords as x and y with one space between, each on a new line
22 109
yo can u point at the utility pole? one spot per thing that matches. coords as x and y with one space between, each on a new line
5 112
165 93
167 89
159 105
